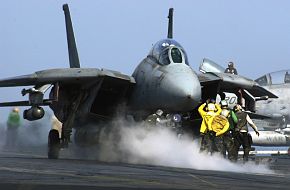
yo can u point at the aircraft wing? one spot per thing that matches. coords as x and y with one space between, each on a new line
231 83
41 81
257 116
63 76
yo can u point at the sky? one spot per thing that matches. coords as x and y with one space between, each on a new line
117 35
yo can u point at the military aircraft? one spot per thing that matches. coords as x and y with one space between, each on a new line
276 128
278 109
81 96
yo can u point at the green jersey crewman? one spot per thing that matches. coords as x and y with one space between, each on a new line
13 124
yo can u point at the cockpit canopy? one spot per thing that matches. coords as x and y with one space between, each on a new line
168 51
279 77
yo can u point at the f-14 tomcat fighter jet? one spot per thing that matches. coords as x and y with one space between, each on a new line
81 96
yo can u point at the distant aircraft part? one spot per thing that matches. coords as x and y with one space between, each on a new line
278 109
176 118
270 138
274 78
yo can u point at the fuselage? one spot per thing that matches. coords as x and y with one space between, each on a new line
164 80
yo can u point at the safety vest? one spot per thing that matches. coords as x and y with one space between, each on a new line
231 116
219 124
206 117
13 120
242 121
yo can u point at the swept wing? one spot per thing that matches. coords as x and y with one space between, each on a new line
212 75
66 77
231 83
63 76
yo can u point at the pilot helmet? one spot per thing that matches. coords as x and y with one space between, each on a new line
159 112
16 109
231 64
224 104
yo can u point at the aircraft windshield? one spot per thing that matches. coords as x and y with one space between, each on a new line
176 55
168 50
164 59
279 77
263 81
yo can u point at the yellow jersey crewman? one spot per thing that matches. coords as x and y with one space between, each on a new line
207 111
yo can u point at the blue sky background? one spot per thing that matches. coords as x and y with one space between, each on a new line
117 35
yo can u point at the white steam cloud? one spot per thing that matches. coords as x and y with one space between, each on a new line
133 143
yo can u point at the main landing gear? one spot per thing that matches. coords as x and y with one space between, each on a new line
53 144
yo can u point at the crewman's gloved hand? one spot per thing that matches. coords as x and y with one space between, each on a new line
257 133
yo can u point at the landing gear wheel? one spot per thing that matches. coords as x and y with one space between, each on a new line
53 144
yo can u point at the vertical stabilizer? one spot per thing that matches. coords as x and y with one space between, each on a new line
71 43
170 23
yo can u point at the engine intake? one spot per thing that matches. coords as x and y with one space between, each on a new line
34 113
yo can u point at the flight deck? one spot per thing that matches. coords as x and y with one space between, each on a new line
27 169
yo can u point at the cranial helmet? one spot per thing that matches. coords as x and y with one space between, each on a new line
159 112
16 109
224 104
210 107
237 108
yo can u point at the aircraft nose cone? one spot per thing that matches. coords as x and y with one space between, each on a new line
183 89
